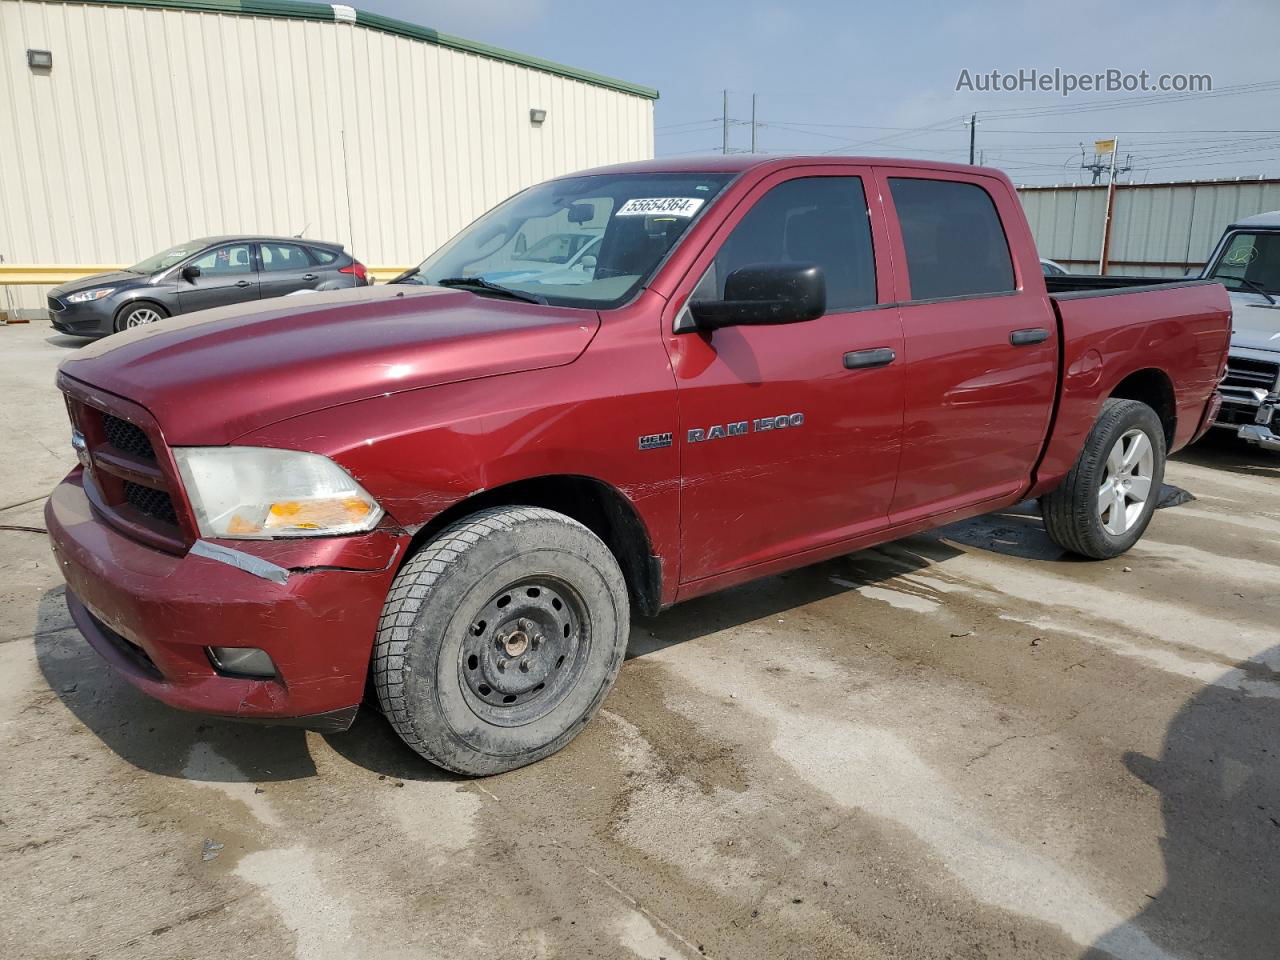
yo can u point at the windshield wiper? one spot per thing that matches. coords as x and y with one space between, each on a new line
1256 288
406 276
480 283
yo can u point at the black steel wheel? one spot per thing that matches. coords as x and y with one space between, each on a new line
525 651
500 639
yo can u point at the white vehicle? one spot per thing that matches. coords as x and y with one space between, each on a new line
1247 261
1051 268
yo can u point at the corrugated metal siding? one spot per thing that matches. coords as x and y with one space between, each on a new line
156 126
1160 229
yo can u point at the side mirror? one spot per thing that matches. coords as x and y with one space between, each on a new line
588 262
190 272
765 294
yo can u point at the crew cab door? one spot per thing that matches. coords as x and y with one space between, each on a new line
789 434
228 274
981 360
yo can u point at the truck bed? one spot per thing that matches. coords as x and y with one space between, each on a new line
1175 324
1061 288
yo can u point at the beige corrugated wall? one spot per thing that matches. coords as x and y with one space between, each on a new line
1157 230
156 126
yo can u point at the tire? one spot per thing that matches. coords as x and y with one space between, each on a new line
139 314
1083 516
479 684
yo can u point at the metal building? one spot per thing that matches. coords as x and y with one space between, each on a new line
130 125
1157 229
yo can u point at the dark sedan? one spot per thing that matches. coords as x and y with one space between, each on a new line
211 272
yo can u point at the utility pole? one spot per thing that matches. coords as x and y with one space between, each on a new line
1106 221
972 124
753 123
724 124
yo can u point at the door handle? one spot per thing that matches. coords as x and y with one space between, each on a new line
309 276
1024 338
864 359
242 283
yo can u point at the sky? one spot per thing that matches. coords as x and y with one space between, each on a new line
861 79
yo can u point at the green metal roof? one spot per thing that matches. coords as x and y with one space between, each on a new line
303 10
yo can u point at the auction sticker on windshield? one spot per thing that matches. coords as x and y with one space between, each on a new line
671 206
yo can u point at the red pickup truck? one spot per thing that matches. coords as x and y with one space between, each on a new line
615 391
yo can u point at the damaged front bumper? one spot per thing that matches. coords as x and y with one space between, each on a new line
311 604
1260 432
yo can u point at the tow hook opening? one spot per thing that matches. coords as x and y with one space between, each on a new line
242 662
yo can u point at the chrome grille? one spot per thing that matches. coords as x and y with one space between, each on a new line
1249 374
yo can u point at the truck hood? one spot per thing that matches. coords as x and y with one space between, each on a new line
1254 322
213 376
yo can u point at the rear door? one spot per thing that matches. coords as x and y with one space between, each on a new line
981 360
786 444
228 274
287 267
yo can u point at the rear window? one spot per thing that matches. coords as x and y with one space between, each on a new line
955 243
322 256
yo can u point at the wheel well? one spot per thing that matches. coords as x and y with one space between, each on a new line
1153 388
599 507
141 300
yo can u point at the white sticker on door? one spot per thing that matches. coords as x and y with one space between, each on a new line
671 206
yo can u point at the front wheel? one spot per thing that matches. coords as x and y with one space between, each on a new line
500 638
1105 503
139 315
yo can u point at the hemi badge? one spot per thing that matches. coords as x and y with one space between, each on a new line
655 441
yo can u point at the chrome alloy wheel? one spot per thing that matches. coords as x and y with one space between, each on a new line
141 317
1126 482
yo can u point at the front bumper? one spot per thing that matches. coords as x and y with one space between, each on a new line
93 319
151 615
1260 432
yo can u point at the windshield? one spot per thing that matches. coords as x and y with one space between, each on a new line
165 259
583 241
1250 261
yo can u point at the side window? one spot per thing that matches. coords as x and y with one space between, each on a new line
283 256
226 261
322 257
820 220
955 243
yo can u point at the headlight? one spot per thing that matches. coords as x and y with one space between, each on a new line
84 296
255 493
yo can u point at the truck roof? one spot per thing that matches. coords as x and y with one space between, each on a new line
741 162
1271 219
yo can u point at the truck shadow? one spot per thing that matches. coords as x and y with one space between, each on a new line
1218 777
164 741
775 596
171 743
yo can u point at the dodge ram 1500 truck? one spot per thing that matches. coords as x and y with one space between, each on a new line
454 489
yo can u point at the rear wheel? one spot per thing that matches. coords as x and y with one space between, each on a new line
1104 505
139 315
500 639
